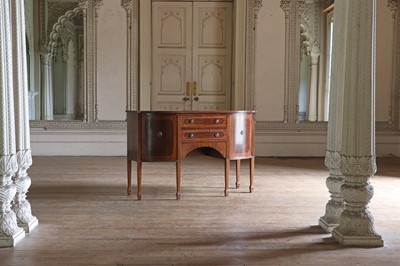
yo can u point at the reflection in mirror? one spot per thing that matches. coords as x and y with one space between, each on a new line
55 45
311 92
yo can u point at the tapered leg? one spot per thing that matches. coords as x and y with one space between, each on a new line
129 169
252 160
227 169
237 173
178 180
139 180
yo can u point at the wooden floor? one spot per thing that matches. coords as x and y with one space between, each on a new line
85 217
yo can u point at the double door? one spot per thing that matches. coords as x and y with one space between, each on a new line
192 55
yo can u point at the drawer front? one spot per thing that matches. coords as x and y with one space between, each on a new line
196 121
209 135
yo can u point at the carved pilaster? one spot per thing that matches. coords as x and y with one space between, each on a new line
253 7
356 225
286 7
132 11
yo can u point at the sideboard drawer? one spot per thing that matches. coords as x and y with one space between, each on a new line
209 135
196 121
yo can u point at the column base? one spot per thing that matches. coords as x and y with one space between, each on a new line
327 226
29 227
364 241
12 241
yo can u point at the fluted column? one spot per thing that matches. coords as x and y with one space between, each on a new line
47 87
21 205
10 233
312 107
358 162
335 205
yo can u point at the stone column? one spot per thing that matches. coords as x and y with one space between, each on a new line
47 87
312 107
21 206
335 205
10 233
358 163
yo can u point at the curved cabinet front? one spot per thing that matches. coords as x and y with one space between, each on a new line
158 137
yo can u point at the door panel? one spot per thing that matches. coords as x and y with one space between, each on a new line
172 46
192 55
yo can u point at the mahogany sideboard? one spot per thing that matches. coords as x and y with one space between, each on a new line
171 136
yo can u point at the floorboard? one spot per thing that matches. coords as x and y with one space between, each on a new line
86 218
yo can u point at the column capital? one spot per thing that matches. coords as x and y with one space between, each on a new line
127 4
83 4
286 5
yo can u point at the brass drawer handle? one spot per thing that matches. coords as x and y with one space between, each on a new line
216 135
191 135
191 121
217 121
159 134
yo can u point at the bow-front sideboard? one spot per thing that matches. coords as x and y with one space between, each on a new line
171 136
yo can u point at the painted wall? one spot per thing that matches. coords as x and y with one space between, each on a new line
269 92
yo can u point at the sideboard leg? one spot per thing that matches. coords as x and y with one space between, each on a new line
178 180
252 160
139 180
227 169
129 169
237 173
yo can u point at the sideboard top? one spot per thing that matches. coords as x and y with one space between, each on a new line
195 112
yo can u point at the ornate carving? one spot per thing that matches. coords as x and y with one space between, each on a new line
257 5
393 5
358 165
97 4
83 4
127 4
22 181
8 221
286 5
56 10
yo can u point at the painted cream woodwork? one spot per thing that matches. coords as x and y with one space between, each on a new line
192 55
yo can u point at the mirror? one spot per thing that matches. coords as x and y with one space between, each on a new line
55 57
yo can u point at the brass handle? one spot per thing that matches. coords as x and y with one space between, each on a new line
217 121
216 135
196 98
187 96
187 88
194 88
159 134
191 135
191 121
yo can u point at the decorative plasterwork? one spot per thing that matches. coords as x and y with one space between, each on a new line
310 23
132 11
61 29
253 7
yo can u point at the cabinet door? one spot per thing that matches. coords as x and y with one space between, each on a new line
158 137
242 144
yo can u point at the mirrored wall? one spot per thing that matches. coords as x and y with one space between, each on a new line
55 52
